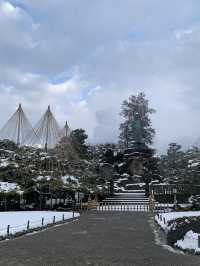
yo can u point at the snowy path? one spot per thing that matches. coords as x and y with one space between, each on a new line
96 239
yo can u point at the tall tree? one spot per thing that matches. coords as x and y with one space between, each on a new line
173 166
174 154
65 149
79 138
136 105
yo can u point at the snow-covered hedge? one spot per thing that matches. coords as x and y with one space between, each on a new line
178 224
165 220
189 242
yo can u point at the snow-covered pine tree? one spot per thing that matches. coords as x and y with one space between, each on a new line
136 104
174 166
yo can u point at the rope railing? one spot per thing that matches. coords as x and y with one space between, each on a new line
30 225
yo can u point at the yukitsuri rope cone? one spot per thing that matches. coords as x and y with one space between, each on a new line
18 128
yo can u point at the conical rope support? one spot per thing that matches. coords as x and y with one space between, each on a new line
48 131
18 128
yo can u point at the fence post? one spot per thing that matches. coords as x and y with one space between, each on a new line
42 221
8 230
54 219
63 217
28 225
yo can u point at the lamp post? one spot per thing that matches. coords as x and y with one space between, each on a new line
175 197
152 201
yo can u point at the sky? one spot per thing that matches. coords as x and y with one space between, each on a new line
85 57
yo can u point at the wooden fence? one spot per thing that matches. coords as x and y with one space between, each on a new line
171 189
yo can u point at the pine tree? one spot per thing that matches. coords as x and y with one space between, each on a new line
65 149
135 105
173 166
79 138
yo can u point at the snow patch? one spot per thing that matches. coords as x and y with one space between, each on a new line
6 187
18 220
189 242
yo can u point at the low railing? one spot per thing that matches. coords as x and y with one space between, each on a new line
31 225
118 206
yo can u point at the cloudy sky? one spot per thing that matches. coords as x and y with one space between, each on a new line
85 57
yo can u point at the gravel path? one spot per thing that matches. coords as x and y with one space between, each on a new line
97 238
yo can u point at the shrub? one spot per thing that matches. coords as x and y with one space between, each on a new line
195 200
180 226
179 208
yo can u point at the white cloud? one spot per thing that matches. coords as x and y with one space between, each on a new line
7 9
91 57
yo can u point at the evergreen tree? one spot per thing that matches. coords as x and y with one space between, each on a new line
97 151
173 166
65 149
174 153
135 105
192 175
79 137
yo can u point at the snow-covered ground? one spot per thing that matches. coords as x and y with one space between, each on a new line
190 242
67 179
7 187
164 218
18 220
